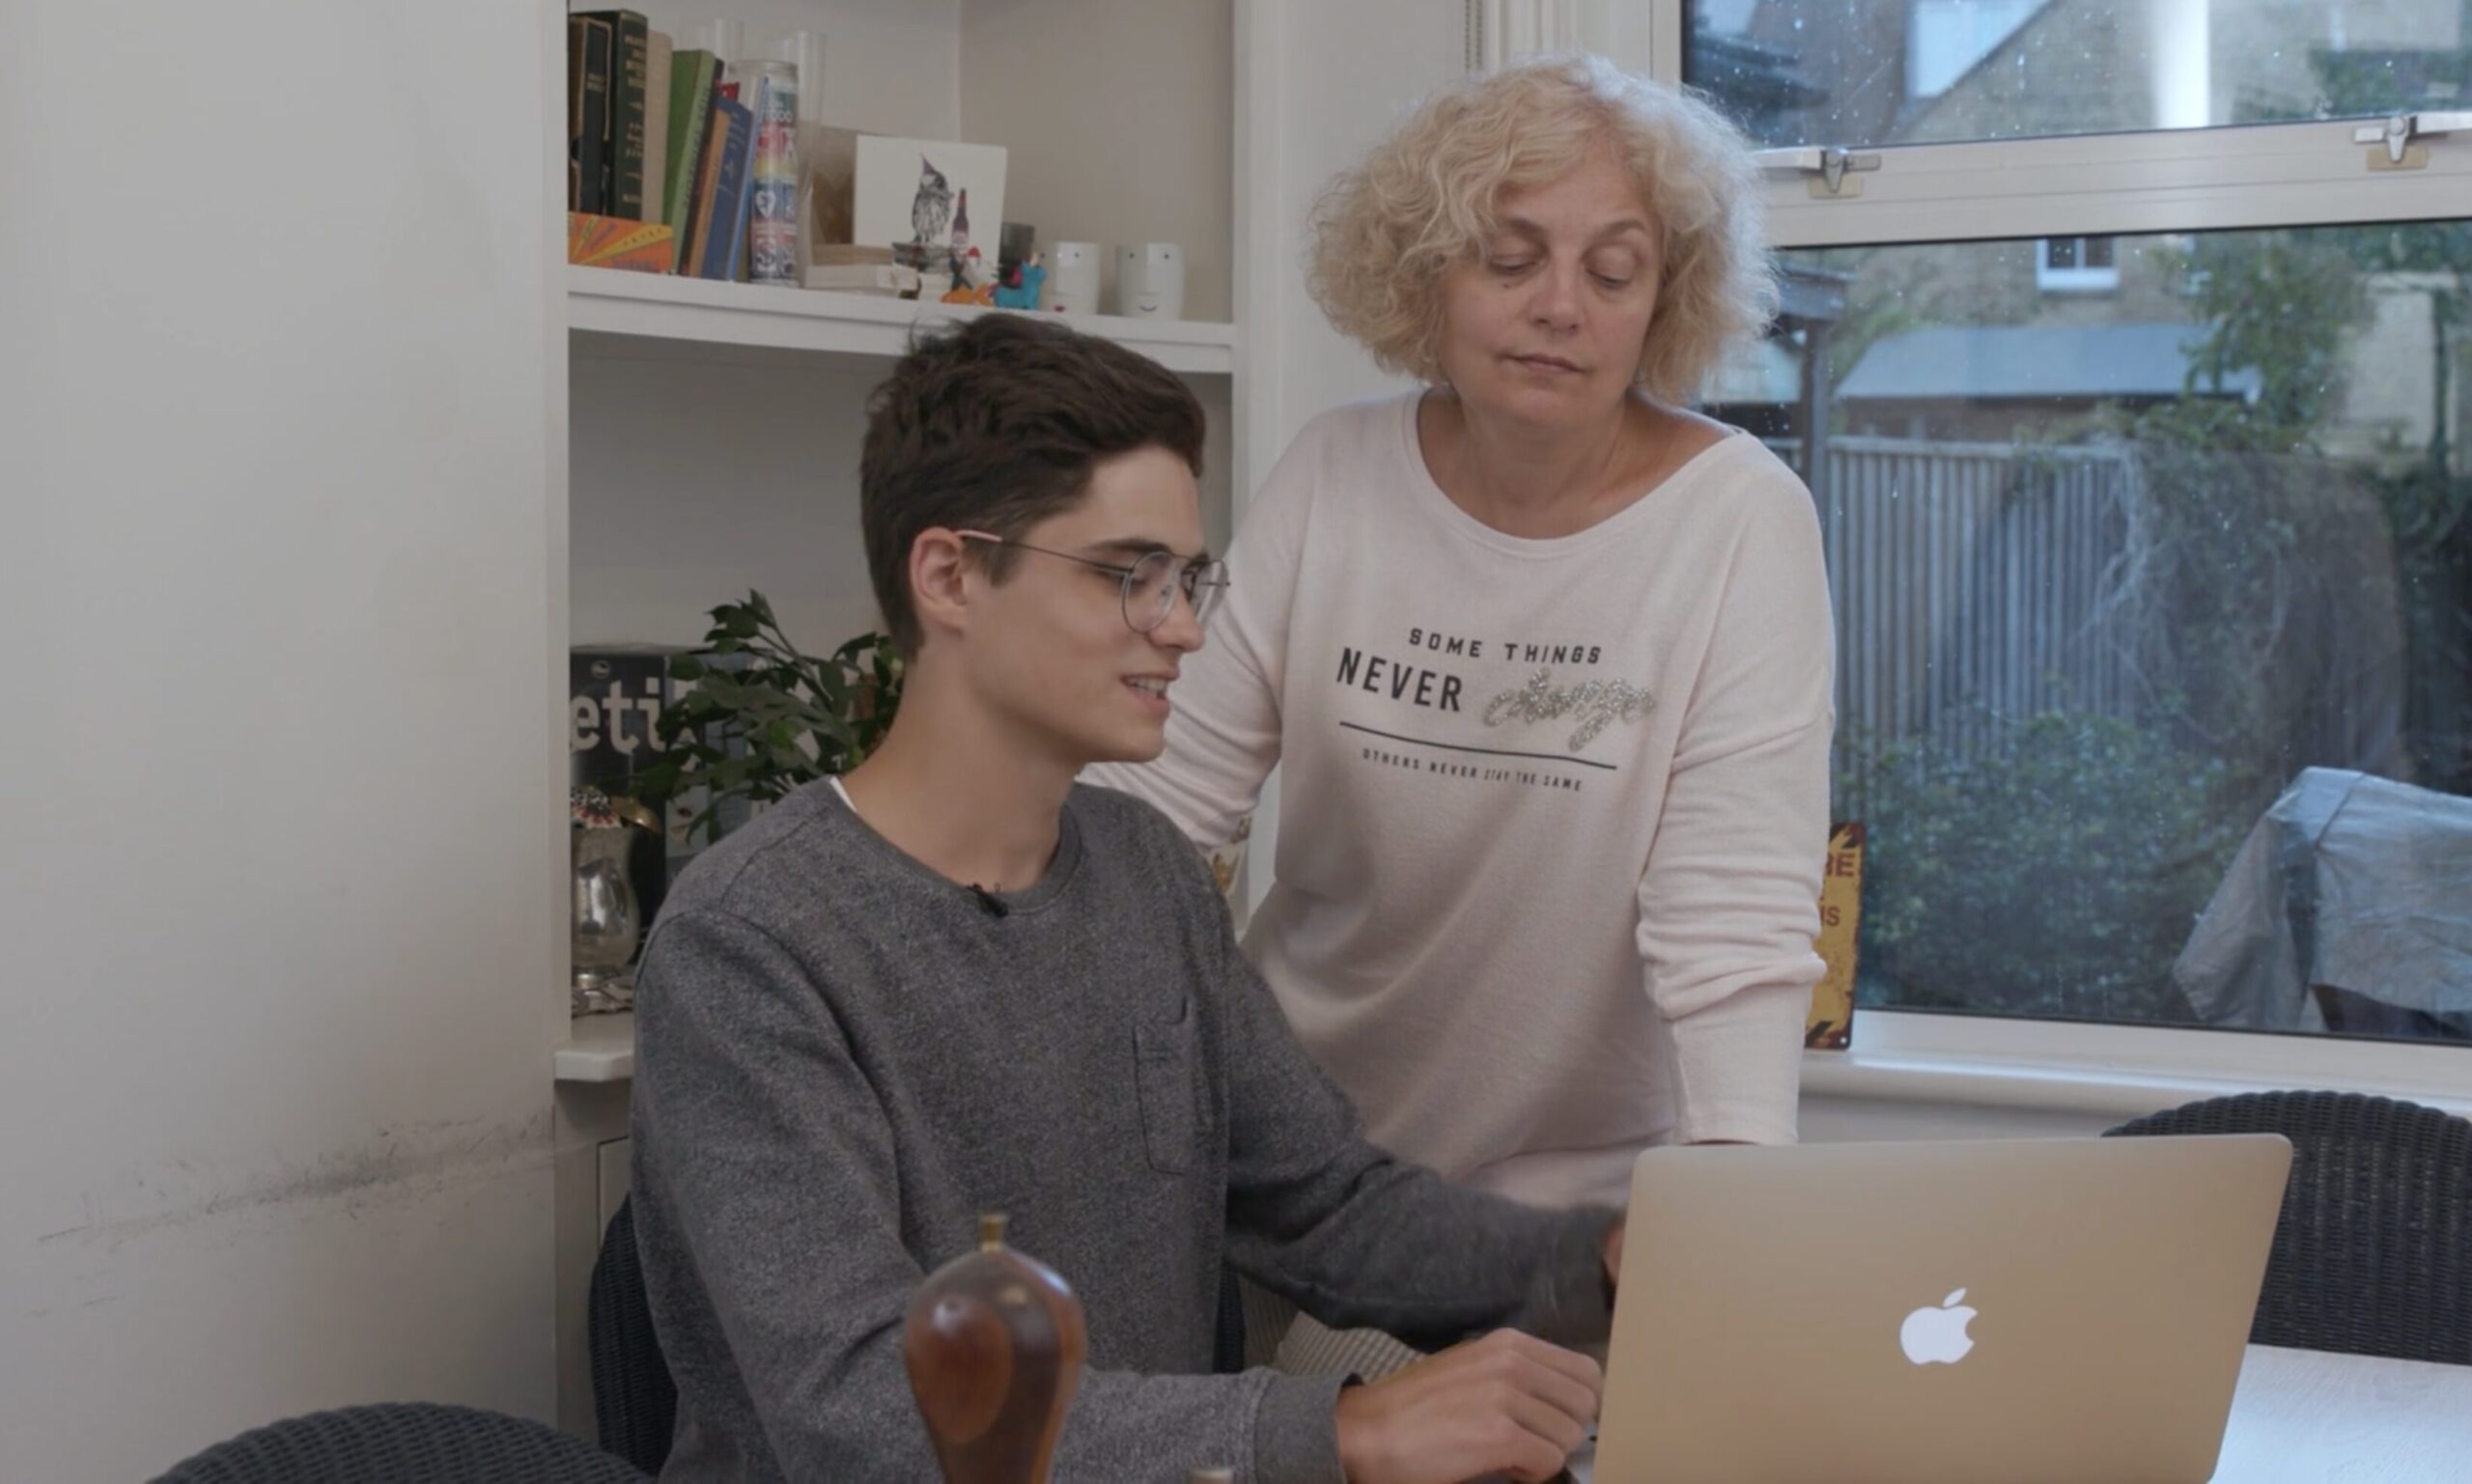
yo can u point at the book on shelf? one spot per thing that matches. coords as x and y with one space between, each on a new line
692 76
623 142
657 48
708 179
575 112
589 43
853 269
734 126
667 135
737 85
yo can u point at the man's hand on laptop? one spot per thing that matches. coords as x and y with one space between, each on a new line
1507 1404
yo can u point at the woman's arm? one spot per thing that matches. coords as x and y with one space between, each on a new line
1729 898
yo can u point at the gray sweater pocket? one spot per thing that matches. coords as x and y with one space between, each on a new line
1166 1060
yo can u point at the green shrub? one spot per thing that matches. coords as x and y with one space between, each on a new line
2054 870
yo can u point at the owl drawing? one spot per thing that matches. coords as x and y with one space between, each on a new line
931 211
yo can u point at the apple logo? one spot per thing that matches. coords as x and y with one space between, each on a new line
1937 1336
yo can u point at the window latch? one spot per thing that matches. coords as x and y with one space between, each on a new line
2400 132
1825 166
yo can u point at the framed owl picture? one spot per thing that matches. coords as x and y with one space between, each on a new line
936 204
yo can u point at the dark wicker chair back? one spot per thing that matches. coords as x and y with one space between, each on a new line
1228 1342
2373 1254
403 1442
634 1397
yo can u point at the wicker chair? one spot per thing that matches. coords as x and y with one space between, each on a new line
2373 1254
400 1442
1228 1342
634 1397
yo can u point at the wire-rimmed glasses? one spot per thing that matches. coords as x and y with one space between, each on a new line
1151 581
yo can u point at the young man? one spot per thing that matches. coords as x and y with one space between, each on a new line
956 982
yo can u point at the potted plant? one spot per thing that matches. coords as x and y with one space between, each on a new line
764 720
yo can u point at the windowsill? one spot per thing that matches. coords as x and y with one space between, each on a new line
2120 1071
2116 1070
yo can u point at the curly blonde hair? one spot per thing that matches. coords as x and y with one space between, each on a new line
1383 231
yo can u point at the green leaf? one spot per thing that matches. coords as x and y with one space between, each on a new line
764 720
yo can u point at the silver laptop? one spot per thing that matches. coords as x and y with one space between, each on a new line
2060 1311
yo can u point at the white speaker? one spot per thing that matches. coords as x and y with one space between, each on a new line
1072 278
1150 281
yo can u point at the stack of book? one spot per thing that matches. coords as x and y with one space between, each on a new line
660 138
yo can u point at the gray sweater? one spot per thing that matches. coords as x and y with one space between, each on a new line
842 1058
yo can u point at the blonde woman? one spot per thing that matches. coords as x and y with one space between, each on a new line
1547 656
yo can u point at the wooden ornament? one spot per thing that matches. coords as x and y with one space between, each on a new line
994 1342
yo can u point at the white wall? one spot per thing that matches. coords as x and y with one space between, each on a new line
696 478
1330 81
279 841
1124 106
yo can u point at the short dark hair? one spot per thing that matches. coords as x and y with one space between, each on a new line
995 425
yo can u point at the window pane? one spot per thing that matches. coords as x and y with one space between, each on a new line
2155 620
1913 71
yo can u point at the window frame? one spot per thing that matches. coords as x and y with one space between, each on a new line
2117 1069
2166 180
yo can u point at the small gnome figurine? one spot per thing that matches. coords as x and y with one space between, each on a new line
994 1342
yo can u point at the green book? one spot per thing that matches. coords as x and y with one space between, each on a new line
657 126
691 75
623 162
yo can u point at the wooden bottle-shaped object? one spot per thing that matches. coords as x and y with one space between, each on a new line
994 1342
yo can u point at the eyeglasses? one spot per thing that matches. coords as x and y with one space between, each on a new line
1151 584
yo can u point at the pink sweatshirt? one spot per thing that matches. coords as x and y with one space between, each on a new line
1552 812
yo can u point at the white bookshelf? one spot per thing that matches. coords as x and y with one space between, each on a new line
599 1049
605 302
713 428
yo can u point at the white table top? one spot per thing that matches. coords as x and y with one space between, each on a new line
2305 1417
2302 1416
